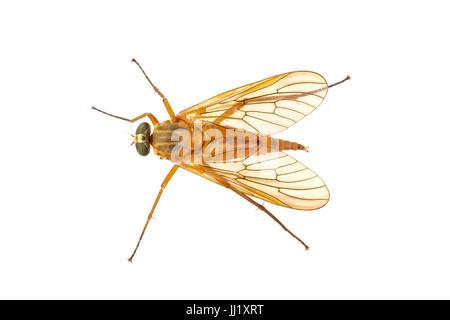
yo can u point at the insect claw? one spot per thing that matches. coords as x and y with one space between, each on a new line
306 248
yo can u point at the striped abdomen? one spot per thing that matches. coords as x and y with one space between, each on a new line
274 144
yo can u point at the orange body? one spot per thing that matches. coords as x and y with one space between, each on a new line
217 143
227 140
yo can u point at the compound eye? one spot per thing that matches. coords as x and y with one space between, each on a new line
143 128
143 138
142 148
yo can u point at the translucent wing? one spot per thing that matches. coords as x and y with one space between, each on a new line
275 177
266 107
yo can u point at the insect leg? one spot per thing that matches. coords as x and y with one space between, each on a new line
339 82
243 195
225 183
165 101
163 185
151 117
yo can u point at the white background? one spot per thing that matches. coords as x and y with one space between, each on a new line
74 196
